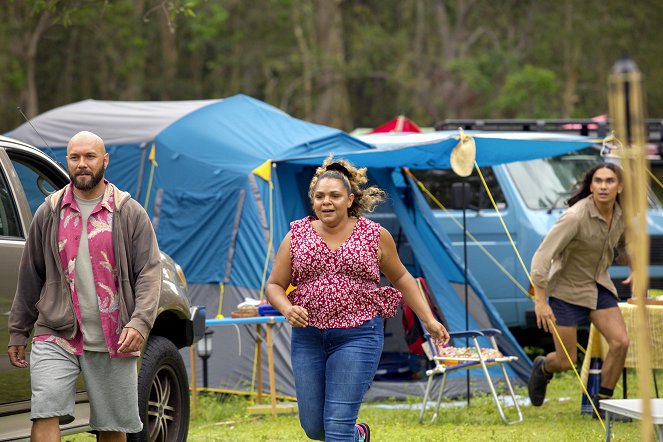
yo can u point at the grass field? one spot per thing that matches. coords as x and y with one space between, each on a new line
225 418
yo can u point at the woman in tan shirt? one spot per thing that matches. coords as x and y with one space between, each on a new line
570 267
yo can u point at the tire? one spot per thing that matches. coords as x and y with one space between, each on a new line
163 394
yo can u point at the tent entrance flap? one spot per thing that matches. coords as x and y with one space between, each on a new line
431 249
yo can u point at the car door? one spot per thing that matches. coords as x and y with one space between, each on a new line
26 177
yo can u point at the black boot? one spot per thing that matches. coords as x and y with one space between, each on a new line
538 382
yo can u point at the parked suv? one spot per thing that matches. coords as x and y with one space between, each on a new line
27 175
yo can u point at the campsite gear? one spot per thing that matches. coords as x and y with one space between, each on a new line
632 408
393 367
245 309
398 124
463 155
268 322
244 313
414 332
532 208
449 359
615 417
268 310
212 212
538 382
593 385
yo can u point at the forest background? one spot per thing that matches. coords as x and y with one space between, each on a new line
342 63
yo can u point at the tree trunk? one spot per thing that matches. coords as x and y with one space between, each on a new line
169 54
32 95
302 15
136 76
333 105
571 60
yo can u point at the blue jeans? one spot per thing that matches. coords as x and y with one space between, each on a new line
333 369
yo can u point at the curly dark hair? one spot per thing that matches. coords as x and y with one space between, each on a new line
586 182
353 179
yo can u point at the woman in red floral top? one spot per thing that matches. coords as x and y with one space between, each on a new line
334 259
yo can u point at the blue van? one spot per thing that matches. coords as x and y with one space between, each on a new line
530 196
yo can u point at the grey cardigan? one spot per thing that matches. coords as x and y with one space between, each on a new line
43 299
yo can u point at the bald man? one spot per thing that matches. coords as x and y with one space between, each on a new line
91 303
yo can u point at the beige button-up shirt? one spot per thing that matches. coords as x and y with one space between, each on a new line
576 254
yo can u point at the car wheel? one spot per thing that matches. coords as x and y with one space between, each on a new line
163 393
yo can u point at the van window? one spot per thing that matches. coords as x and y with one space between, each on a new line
439 182
548 182
9 221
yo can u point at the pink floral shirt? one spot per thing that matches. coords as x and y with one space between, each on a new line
102 255
339 288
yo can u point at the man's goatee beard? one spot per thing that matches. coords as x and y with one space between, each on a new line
94 180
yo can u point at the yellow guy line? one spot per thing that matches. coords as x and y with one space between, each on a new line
584 390
653 177
472 237
499 215
497 263
222 289
552 325
476 242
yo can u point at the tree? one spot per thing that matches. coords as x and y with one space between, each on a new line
344 63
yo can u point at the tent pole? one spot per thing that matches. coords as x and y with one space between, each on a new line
467 318
460 199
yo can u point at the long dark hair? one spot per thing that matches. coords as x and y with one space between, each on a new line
586 182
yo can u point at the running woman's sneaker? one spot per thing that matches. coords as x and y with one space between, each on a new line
364 432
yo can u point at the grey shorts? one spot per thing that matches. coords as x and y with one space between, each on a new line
111 383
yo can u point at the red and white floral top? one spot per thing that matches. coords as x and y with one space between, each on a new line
339 288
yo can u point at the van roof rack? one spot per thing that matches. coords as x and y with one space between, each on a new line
587 127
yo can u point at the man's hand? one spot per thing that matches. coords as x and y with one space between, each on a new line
544 315
17 356
130 340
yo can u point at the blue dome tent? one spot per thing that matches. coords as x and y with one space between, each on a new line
221 179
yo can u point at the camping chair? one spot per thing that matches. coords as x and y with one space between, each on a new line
450 359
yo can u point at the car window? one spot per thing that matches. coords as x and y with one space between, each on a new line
439 182
37 185
9 221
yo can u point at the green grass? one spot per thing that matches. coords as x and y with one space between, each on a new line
559 419
225 418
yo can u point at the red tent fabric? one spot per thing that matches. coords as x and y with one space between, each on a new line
398 124
598 119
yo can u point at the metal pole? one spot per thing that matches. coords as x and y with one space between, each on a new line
205 372
467 313
460 200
